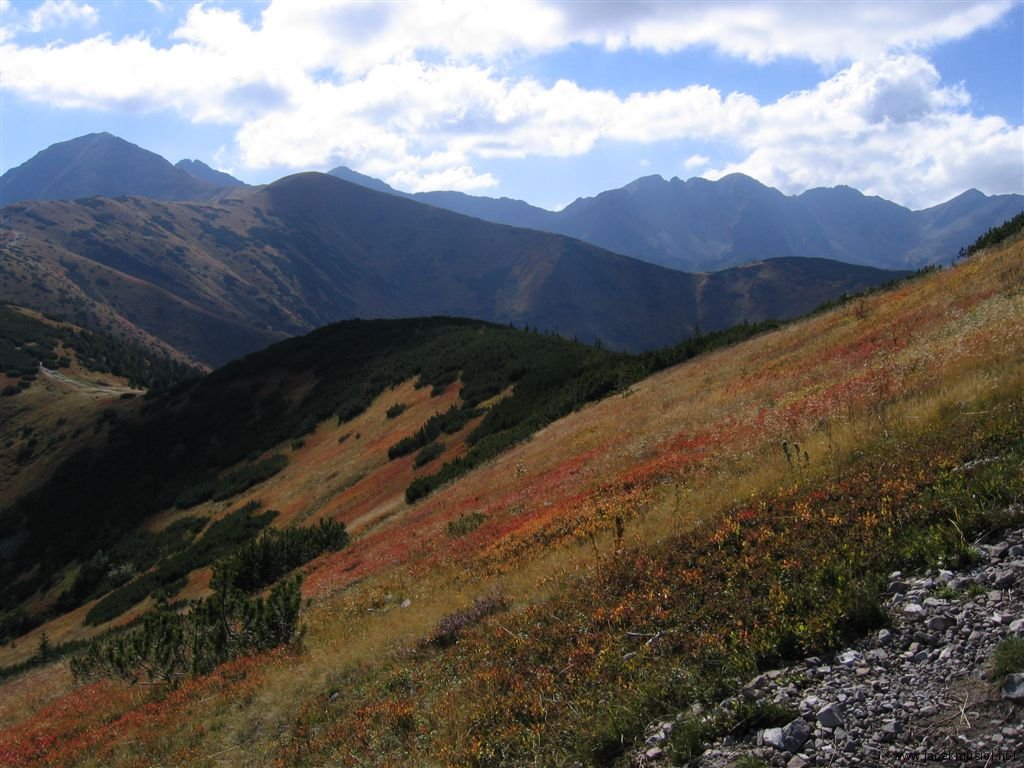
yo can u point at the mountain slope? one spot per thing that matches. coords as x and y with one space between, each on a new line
100 164
225 278
700 225
210 426
649 552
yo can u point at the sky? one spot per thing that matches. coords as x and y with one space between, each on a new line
542 101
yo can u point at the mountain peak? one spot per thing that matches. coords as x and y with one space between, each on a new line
347 174
654 181
100 164
737 179
202 171
971 194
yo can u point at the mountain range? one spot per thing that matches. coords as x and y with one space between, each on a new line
695 225
219 279
700 225
202 171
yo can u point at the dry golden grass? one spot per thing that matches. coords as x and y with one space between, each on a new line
27 694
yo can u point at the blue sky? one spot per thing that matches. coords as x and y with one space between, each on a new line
542 101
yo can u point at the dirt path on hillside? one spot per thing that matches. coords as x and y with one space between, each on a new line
99 389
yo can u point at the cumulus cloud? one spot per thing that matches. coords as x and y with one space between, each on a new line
887 127
54 13
419 93
693 162
759 31
406 121
49 15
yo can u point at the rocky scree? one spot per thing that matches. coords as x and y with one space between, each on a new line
918 693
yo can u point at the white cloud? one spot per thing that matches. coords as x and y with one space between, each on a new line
462 178
762 31
55 13
693 162
15 20
886 127
418 93
416 125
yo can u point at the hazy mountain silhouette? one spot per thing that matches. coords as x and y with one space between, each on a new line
701 225
201 170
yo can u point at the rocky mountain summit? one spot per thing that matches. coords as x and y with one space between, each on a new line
921 692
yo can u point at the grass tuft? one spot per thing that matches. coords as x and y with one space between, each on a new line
1008 658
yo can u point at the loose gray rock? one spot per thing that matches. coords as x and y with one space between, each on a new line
795 735
1004 577
772 737
939 623
830 716
1013 688
926 694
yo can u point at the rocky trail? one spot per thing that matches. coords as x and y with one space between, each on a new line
99 389
918 693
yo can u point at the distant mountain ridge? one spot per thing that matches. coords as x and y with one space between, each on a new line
201 170
695 225
221 279
700 225
101 164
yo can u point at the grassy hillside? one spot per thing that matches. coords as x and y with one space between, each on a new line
647 552
464 392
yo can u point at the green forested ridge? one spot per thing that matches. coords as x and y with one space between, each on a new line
207 438
219 541
167 646
201 429
260 562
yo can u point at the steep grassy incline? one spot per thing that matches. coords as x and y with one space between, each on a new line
459 393
647 552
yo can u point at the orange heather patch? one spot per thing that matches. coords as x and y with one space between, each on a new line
343 471
67 727
98 718
27 694
198 585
